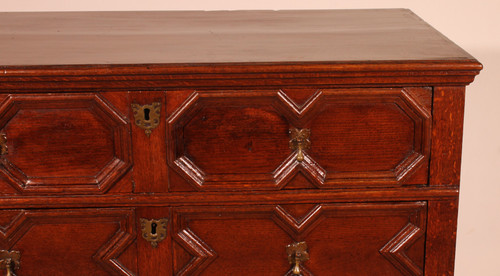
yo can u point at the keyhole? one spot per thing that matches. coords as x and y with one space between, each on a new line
153 228
146 114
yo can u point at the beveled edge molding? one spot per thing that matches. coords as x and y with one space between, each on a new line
299 116
410 193
106 256
394 250
100 183
202 254
198 178
325 74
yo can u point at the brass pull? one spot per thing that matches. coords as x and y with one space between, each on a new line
3 144
299 140
154 230
297 253
147 116
9 260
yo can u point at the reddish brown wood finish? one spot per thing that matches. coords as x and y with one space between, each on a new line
448 118
150 173
340 238
218 37
233 198
238 139
270 75
81 241
441 235
154 261
381 91
66 143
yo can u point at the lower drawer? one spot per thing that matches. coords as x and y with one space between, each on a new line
328 239
306 239
68 242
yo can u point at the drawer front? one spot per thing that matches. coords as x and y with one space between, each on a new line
325 138
339 239
73 143
70 242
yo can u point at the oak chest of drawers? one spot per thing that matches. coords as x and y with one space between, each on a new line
229 143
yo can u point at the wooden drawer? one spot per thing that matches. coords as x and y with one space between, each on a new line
221 129
65 143
71 242
341 239
231 140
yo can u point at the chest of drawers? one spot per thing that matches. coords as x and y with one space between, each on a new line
229 143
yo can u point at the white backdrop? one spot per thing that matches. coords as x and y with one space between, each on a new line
475 26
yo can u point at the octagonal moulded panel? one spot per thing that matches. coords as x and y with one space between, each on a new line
343 238
63 143
358 137
365 137
229 139
73 241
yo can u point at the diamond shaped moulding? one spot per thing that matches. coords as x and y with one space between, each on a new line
371 137
212 146
202 254
81 131
237 140
21 234
394 250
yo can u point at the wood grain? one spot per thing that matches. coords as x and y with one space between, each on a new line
233 198
344 238
220 37
381 92
150 172
441 236
92 239
73 143
448 116
154 261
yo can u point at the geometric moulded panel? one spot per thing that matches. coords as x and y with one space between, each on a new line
74 241
63 143
243 140
371 137
342 239
220 140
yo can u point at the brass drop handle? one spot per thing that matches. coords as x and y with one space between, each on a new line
9 260
3 144
299 140
297 254
10 270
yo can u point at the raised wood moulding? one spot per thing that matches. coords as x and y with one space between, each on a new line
361 137
72 143
232 76
315 142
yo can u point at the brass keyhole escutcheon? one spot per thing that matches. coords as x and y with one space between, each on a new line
297 254
299 141
10 261
147 116
154 230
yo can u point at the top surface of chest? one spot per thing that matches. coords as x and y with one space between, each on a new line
193 37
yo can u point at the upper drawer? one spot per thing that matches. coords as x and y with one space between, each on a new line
270 139
64 143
